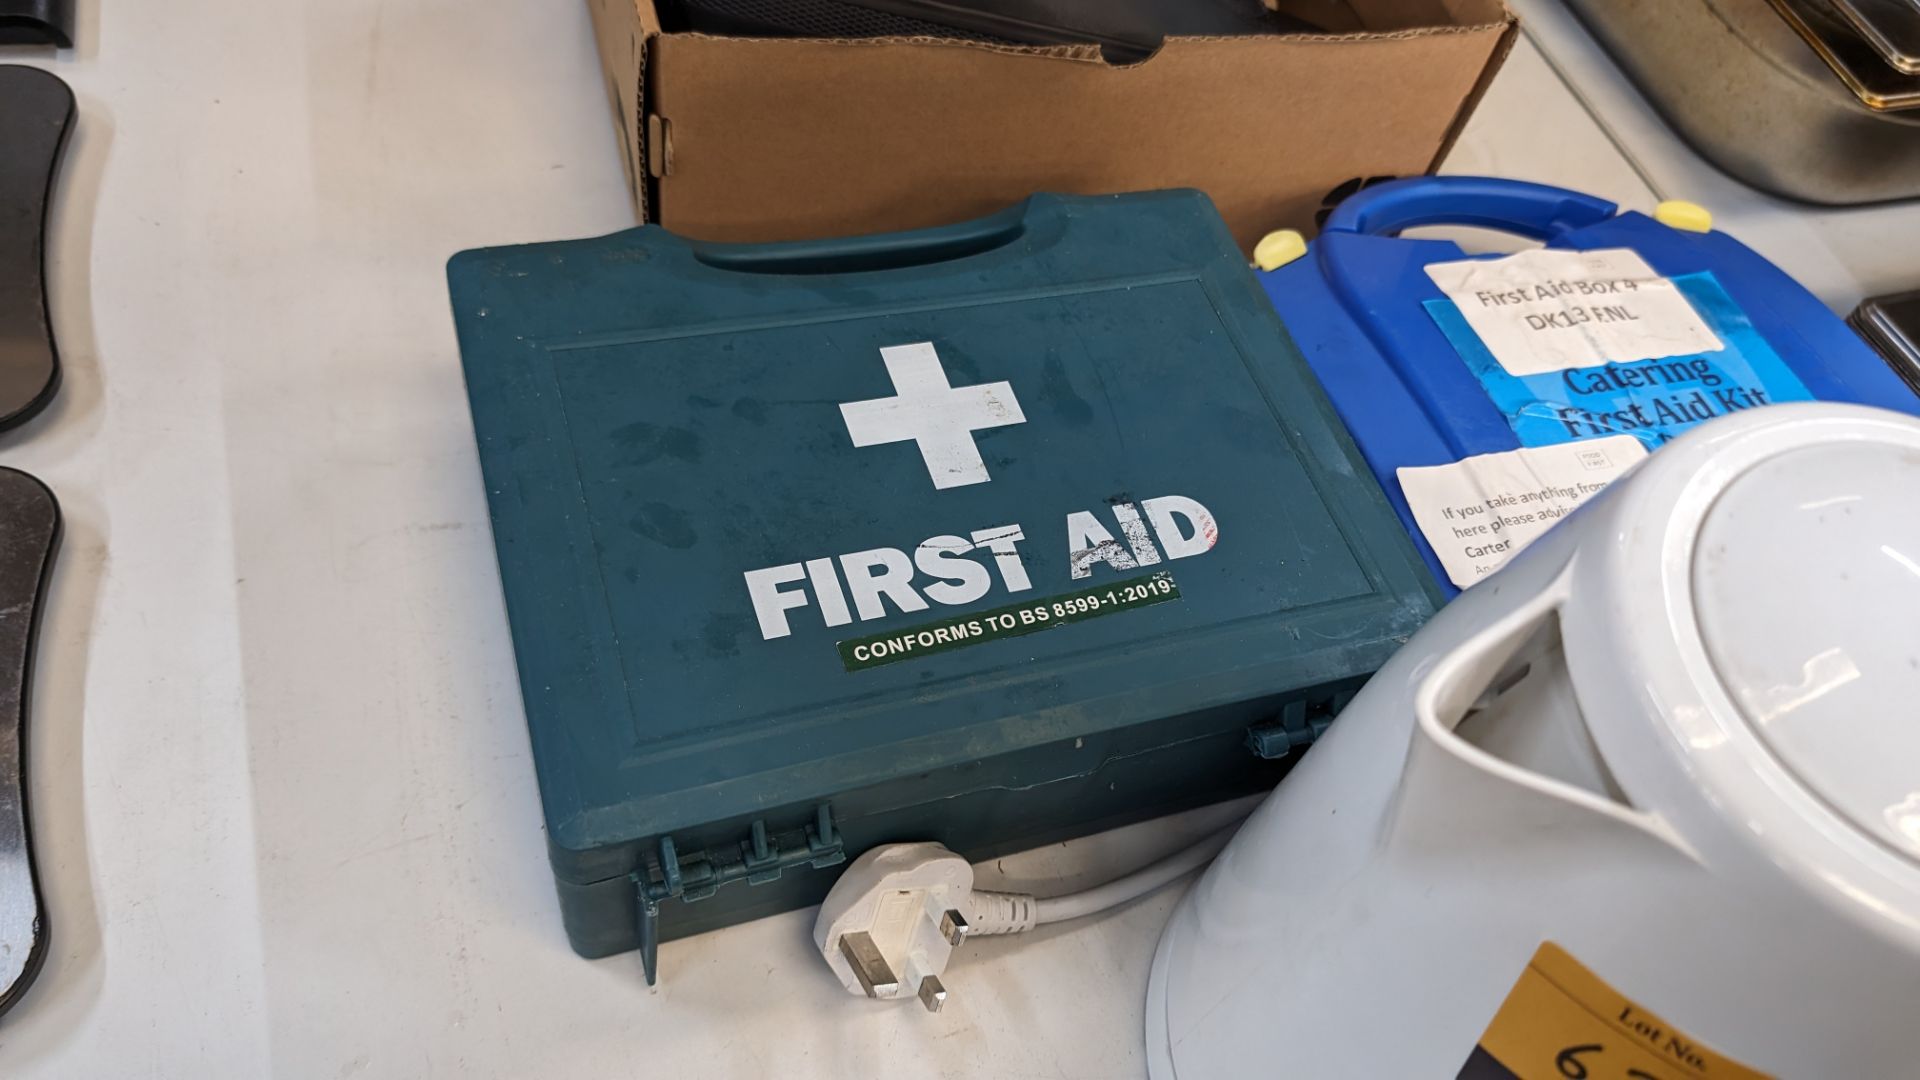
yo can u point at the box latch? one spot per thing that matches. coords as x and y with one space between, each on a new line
1299 724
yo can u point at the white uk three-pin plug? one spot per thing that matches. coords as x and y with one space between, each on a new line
895 916
890 925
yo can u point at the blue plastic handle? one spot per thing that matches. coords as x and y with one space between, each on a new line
1515 206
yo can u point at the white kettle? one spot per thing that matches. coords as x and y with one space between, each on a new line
1644 804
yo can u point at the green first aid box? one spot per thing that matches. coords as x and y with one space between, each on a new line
993 535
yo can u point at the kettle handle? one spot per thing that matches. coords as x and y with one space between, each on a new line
1456 680
1534 210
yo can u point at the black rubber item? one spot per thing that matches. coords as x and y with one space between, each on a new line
804 18
1891 324
37 22
29 535
1125 30
36 112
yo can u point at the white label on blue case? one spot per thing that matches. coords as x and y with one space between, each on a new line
1653 400
1549 310
1480 511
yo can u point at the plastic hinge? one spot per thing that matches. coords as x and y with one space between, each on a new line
1299 724
757 860
760 856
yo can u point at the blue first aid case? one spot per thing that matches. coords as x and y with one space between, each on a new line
991 535
1417 387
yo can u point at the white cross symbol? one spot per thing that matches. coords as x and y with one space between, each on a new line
938 416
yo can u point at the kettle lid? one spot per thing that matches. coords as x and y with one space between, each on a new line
1806 590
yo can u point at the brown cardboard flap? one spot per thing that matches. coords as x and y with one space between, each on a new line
624 30
1495 61
775 139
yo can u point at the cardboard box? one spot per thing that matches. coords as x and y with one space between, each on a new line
764 139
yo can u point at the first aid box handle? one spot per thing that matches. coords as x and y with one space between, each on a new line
862 254
1532 210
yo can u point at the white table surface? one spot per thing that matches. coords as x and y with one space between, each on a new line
285 810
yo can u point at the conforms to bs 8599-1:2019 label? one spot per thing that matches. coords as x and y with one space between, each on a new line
959 631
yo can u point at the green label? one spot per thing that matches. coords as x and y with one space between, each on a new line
859 654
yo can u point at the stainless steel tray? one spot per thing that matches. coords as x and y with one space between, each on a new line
1743 87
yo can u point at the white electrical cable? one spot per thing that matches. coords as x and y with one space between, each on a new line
1054 909
1016 913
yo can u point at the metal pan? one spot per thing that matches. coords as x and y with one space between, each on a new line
1879 85
1737 82
1892 27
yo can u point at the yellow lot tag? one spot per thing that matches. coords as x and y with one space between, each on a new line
1560 1022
